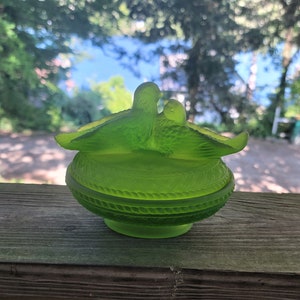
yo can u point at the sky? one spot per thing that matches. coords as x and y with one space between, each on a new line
100 66
267 75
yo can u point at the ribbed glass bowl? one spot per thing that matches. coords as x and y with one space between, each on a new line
148 195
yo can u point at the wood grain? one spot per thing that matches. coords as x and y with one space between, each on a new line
94 282
52 248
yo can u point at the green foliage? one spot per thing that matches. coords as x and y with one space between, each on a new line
16 77
207 33
210 33
15 62
114 94
255 127
103 99
293 103
83 107
32 35
280 30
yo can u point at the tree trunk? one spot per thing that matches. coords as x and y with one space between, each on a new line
251 84
193 100
193 75
287 57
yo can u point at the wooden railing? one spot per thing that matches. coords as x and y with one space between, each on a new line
52 248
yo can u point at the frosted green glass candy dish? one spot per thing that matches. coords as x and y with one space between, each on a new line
150 174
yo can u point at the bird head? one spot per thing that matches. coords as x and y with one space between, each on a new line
174 111
146 97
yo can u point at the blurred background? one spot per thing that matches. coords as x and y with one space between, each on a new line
234 65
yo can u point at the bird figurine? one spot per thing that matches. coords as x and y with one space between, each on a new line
122 132
143 128
178 138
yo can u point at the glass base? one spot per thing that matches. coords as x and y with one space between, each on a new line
147 232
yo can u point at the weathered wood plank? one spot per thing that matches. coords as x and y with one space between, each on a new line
253 232
52 248
38 281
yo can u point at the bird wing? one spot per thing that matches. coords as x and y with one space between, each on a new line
225 145
78 140
204 143
192 142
